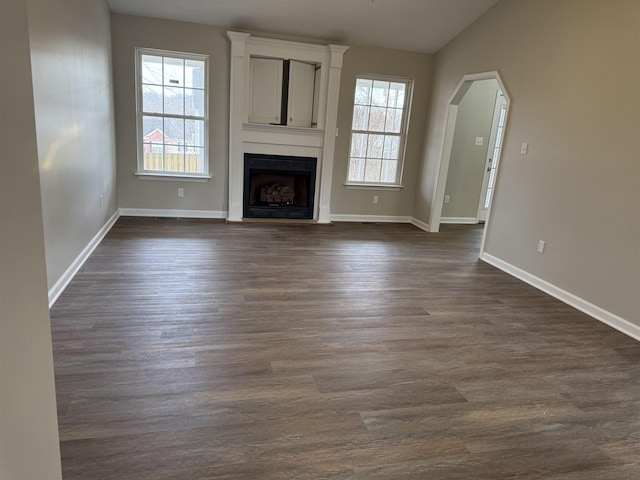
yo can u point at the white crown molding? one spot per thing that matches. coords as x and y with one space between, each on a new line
238 41
598 313
278 43
56 290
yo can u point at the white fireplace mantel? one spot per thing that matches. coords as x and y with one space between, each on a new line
245 137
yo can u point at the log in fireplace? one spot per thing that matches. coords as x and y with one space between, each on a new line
279 186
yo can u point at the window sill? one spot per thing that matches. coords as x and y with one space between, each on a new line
372 186
174 177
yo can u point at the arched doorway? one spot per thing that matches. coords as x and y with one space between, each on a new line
475 125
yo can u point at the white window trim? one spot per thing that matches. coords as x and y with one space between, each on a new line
403 133
159 175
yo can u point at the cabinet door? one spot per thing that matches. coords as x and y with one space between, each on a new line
301 81
265 100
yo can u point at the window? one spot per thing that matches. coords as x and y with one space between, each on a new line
172 113
378 131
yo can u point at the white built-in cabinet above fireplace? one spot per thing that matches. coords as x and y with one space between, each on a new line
283 92
283 101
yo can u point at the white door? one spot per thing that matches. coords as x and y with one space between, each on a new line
301 81
265 101
493 156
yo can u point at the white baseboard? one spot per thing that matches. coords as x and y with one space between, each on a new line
171 213
420 224
606 317
67 276
337 217
459 220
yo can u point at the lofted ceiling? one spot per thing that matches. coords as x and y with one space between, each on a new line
414 25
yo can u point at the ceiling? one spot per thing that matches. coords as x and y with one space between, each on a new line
414 25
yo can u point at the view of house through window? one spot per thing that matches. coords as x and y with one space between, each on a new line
172 113
378 131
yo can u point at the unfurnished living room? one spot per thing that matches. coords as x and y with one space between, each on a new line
304 239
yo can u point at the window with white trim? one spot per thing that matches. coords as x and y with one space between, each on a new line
378 130
172 113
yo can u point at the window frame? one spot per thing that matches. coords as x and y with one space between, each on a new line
404 128
141 172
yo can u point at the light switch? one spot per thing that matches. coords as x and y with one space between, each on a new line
525 147
479 140
541 245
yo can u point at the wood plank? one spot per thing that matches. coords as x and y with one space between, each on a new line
196 349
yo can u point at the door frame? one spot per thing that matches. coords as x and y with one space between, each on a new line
450 122
490 161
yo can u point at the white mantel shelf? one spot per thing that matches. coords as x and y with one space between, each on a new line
282 135
282 128
245 137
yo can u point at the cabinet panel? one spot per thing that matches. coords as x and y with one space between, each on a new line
316 98
301 83
265 100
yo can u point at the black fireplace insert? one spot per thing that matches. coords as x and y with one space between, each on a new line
278 186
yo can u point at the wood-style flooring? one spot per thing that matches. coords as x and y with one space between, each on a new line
196 349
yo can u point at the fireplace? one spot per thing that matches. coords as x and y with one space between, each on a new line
278 186
316 143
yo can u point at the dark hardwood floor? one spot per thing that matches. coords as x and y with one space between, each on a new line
195 349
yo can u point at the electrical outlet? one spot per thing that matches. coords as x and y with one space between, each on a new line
524 149
479 140
541 245
375 199
181 192
446 199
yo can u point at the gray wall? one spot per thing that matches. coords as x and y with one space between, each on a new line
130 32
392 202
28 425
572 71
467 165
72 89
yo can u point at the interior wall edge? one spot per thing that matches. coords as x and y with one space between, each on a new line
416 222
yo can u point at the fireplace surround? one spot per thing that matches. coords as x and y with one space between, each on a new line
317 142
278 186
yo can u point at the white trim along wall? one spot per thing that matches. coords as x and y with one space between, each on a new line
459 220
171 213
76 265
576 302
